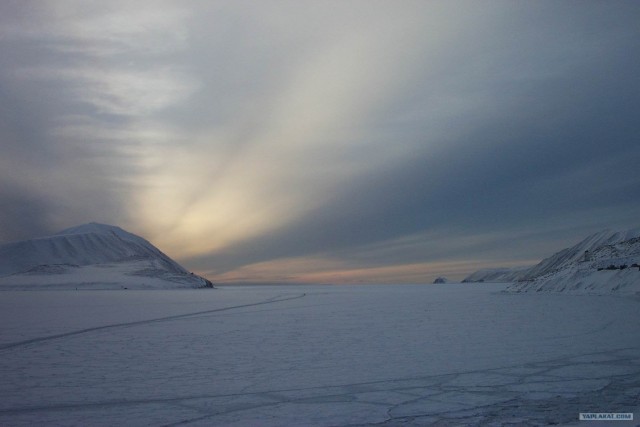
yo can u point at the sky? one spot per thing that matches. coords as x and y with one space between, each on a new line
323 141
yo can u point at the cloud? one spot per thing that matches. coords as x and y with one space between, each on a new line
518 150
79 100
246 137
21 215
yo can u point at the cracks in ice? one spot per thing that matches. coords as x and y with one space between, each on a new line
553 390
529 394
23 343
590 332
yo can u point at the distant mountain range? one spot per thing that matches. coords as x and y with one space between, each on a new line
497 275
99 256
605 262
91 256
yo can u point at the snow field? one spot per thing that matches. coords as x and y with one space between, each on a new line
315 355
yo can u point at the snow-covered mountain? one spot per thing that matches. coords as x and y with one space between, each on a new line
568 256
95 255
611 268
603 263
497 275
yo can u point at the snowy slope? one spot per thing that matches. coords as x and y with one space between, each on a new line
578 269
609 266
91 254
497 275
568 256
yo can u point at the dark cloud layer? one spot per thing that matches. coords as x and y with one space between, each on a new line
239 133
567 144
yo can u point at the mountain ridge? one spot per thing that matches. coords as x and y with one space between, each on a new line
89 245
566 256
599 264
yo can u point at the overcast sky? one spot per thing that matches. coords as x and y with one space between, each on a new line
324 141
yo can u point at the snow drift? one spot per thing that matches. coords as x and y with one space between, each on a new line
95 255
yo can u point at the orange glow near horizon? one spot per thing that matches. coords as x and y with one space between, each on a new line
323 271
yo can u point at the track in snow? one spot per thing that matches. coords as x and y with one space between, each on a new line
142 322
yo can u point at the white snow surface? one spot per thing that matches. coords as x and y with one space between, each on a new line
91 255
134 274
442 355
